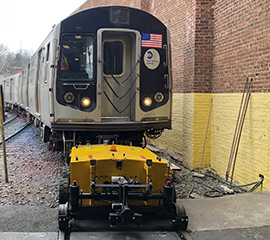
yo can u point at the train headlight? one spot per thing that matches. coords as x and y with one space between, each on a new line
159 97
147 102
85 102
69 97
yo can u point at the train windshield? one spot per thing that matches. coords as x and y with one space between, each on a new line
76 57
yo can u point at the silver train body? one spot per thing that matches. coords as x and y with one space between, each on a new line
102 74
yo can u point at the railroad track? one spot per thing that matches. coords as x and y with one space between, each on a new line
10 119
13 126
183 235
61 235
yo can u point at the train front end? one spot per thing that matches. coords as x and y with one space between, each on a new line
114 77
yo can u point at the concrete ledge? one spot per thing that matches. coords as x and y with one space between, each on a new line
23 218
228 212
28 236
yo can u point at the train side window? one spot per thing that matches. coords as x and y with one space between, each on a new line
48 52
113 58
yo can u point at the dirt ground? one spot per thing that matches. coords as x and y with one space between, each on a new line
34 173
189 185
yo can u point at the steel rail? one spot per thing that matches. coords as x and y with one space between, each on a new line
61 235
184 235
11 119
235 131
15 133
239 138
242 111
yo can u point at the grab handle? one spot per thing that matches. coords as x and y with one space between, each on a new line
166 53
167 84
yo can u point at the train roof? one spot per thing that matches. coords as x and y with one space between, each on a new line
110 7
91 20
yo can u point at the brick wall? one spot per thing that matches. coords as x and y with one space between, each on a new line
241 45
204 23
17 70
94 3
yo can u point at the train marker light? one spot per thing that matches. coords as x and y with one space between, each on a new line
86 102
159 97
69 97
147 101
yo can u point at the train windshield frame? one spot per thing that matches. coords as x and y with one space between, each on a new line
76 57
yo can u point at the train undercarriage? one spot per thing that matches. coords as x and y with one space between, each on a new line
64 140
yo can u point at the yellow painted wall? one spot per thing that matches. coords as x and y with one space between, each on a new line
189 118
202 105
253 153
190 115
172 140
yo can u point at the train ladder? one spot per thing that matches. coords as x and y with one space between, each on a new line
68 143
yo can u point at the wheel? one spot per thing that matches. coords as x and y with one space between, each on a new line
36 122
63 217
180 210
66 173
28 117
63 191
67 158
180 221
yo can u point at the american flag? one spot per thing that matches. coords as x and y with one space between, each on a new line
151 40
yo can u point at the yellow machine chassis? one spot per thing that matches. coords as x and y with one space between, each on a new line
125 182
139 165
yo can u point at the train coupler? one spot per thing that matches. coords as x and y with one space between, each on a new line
123 214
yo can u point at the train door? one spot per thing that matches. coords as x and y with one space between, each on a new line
27 86
21 89
6 92
119 72
38 79
10 90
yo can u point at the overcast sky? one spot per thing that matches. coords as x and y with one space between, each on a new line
26 23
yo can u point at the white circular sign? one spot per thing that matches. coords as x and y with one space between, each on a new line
151 59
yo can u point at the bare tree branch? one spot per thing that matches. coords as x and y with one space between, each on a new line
10 60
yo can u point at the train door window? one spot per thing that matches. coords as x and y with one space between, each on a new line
77 58
47 68
113 57
32 74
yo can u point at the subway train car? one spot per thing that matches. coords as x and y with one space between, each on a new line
11 86
102 74
98 85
